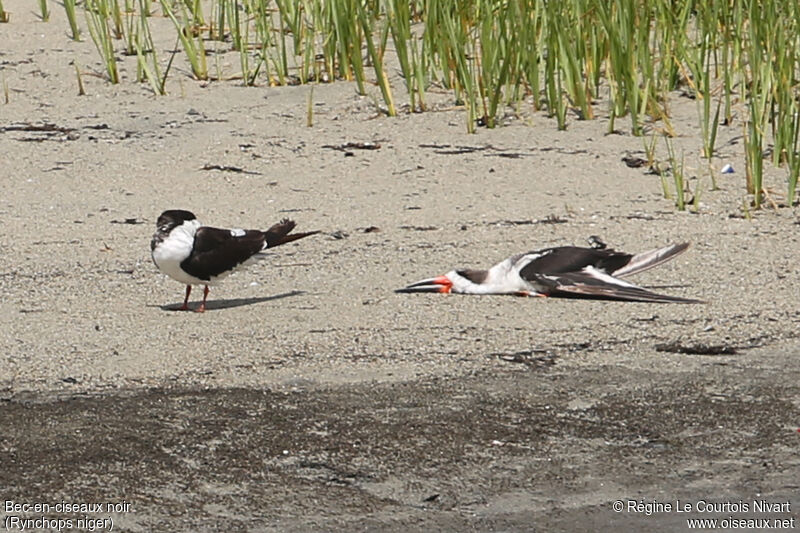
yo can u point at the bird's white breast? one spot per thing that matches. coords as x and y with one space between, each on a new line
174 249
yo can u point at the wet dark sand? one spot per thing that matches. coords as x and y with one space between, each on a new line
518 449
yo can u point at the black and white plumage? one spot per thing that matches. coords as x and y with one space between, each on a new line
194 254
567 272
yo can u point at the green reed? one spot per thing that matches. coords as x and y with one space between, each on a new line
69 8
268 51
398 15
495 62
79 76
240 32
146 57
371 29
216 30
678 178
98 13
310 108
350 39
793 162
294 33
577 54
116 17
232 8
44 11
189 37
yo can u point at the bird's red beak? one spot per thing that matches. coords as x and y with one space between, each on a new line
437 284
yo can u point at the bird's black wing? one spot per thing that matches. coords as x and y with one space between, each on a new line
566 259
217 251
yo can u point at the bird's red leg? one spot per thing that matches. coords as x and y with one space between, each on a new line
202 307
186 300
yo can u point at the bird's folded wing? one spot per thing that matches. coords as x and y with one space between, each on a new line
217 251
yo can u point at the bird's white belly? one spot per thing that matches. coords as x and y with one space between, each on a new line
172 268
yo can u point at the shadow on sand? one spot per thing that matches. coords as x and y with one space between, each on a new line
214 305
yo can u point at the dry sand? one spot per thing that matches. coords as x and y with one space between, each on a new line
310 396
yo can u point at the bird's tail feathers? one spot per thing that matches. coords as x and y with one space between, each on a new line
279 233
289 238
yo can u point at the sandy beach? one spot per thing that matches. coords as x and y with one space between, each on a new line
310 396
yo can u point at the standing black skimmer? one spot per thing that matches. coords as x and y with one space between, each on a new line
567 272
199 255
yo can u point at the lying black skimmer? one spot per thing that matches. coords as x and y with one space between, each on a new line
199 255
567 272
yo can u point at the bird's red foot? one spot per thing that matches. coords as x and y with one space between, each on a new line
185 306
202 308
